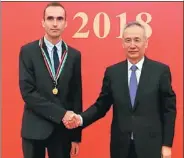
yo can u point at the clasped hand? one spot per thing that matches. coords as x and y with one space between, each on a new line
71 120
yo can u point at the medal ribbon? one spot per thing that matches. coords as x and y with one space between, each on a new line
50 67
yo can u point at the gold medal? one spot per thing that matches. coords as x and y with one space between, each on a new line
55 91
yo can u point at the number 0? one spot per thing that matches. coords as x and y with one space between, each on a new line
96 25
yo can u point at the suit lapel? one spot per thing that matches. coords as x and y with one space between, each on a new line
46 51
42 58
144 80
65 65
124 79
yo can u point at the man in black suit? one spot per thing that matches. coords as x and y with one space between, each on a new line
51 87
144 103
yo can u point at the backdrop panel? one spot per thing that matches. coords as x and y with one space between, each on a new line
95 29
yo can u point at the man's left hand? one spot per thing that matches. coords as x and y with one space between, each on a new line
74 149
166 152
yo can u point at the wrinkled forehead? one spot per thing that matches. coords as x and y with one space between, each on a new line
134 32
55 11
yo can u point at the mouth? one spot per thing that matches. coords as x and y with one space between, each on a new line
54 30
132 52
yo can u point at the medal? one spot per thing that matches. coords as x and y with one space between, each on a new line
55 91
54 75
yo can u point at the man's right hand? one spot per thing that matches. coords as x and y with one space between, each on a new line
72 120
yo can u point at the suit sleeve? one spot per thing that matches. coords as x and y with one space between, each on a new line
168 100
102 104
76 96
30 94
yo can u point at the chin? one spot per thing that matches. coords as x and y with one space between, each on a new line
133 56
54 36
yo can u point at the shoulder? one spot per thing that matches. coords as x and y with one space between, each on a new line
74 51
116 66
157 64
29 49
30 45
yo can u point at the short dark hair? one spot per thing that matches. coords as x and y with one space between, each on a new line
53 4
134 23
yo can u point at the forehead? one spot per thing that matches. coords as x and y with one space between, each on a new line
55 11
133 31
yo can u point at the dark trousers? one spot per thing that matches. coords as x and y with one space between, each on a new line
132 152
57 145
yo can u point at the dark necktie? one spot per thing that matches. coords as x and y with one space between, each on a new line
133 84
56 59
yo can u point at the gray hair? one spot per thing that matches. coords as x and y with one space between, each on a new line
135 23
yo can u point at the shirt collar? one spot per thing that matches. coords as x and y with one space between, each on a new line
50 45
139 64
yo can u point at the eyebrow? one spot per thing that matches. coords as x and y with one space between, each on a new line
52 17
132 38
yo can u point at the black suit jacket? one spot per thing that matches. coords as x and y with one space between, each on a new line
43 111
152 119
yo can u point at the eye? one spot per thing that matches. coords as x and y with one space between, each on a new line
137 39
60 18
50 18
127 40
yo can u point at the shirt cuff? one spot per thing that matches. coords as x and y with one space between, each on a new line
81 120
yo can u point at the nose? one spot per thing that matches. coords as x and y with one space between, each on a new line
55 22
132 44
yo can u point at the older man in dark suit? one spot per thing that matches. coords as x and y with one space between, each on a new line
144 103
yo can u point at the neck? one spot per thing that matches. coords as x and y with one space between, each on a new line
54 41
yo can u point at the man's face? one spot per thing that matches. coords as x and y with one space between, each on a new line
134 42
54 21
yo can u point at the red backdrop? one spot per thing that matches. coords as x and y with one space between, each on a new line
98 40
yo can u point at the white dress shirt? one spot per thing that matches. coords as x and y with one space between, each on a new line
137 72
50 50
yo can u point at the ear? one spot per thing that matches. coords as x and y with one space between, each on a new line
43 23
146 44
122 40
66 24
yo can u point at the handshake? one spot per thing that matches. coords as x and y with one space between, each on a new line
72 120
